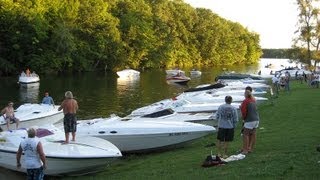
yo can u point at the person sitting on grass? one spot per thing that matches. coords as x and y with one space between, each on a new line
227 117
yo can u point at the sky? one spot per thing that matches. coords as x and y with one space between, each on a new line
274 20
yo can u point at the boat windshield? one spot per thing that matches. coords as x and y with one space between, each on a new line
164 112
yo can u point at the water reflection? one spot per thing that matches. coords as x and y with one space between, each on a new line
177 84
29 93
125 84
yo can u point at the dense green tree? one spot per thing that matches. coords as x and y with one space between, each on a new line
86 35
308 39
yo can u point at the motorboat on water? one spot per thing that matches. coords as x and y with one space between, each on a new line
238 76
83 156
221 91
28 78
239 85
172 116
195 72
128 73
237 92
178 79
35 114
215 98
174 72
204 87
144 135
181 105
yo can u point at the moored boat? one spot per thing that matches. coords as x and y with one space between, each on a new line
180 79
35 114
127 73
142 136
85 155
28 79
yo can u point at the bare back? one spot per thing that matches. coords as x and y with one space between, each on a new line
69 106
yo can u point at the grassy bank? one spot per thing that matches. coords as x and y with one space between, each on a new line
286 148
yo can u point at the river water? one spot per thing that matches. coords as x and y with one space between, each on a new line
103 94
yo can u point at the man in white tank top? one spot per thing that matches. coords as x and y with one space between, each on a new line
34 157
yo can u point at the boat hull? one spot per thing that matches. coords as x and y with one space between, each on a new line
28 79
58 166
151 142
141 136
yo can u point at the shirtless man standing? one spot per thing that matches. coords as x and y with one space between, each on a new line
8 113
70 107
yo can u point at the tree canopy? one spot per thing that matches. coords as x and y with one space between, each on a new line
307 42
88 35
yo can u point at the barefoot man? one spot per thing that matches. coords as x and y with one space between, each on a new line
70 107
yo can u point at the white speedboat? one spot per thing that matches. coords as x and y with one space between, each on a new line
238 92
239 85
128 73
215 98
195 72
171 115
239 76
85 155
28 79
35 114
181 105
141 136
180 79
174 72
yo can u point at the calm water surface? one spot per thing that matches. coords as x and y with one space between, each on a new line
103 94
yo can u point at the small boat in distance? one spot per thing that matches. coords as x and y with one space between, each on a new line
179 78
128 73
28 78
173 72
83 156
195 72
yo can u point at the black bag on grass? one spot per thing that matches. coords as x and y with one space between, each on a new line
212 160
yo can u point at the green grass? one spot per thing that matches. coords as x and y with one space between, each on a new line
285 149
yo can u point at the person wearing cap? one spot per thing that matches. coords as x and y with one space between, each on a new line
251 120
47 99
70 107
34 157
227 117
8 114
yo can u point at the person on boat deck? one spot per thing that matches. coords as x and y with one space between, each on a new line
28 72
8 114
34 157
251 120
227 117
70 107
47 99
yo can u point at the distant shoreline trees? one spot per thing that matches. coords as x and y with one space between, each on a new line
95 35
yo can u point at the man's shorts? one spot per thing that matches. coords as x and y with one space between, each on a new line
70 123
11 119
225 134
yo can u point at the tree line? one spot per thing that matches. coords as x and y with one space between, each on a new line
94 35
